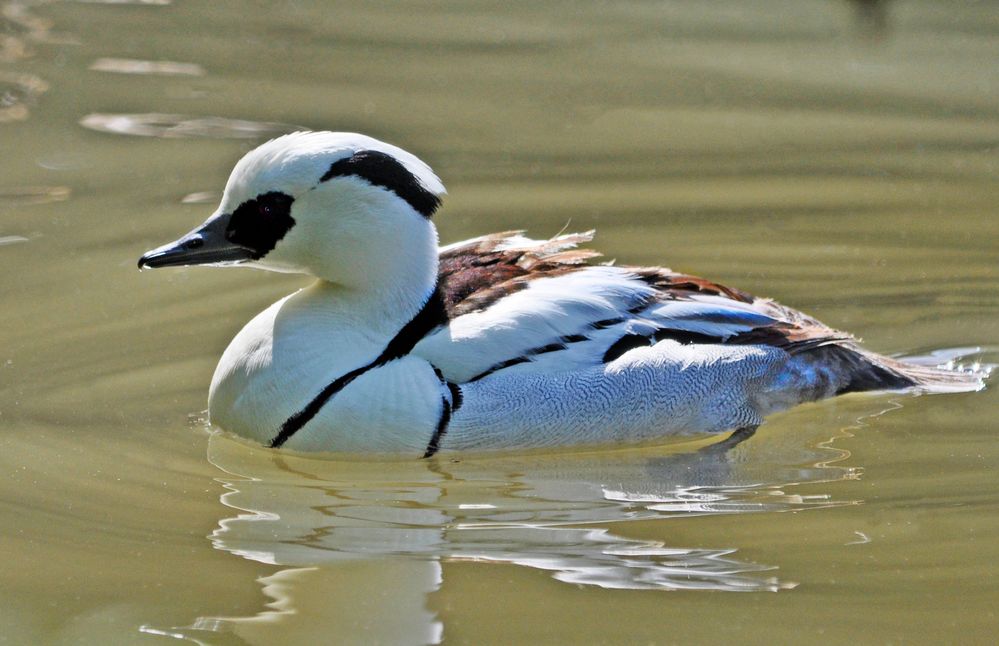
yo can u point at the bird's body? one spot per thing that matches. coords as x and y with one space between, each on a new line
499 342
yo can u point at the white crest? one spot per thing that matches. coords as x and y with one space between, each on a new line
295 163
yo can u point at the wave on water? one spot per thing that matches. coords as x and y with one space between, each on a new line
181 126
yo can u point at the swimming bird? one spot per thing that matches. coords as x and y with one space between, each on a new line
496 343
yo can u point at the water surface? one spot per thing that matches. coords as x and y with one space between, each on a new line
794 149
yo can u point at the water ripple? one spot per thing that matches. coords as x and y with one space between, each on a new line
538 513
403 522
29 195
19 28
17 93
135 66
200 197
180 126
158 3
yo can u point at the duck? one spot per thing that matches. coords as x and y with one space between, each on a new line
499 343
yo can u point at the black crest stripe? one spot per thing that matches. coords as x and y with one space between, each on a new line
431 315
381 169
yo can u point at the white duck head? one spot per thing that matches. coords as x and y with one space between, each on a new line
343 207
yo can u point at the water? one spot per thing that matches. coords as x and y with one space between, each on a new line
801 150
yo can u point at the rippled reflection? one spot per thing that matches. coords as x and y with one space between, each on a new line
200 197
176 126
29 195
538 512
132 66
18 92
19 30
143 2
401 523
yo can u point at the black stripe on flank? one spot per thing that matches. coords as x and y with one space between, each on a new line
430 316
632 341
606 323
551 347
435 440
686 338
457 399
447 409
561 344
625 343
638 309
381 169
500 366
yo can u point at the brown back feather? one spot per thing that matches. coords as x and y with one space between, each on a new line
476 274
473 276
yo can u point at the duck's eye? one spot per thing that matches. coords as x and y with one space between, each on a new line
259 224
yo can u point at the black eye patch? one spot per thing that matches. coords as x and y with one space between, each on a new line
259 223
380 169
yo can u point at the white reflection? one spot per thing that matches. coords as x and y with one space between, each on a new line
201 197
20 30
18 93
599 558
30 195
533 511
347 532
133 66
178 126
144 2
312 605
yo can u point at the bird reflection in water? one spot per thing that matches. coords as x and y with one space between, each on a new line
353 538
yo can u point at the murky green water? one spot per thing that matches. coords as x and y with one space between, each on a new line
781 147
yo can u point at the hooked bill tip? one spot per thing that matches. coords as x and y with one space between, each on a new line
144 261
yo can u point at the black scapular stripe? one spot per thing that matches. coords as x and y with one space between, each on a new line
381 169
430 316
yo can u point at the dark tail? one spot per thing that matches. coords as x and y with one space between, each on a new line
863 371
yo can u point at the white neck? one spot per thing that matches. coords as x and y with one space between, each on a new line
376 260
387 286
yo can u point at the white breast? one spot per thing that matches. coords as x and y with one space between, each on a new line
394 408
283 358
